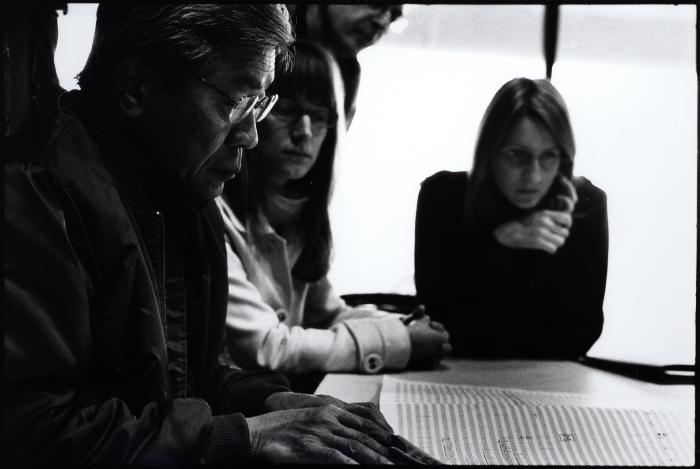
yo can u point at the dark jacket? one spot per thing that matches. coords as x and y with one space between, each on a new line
116 292
503 302
29 33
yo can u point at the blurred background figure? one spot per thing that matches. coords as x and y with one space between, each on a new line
512 256
28 75
283 313
345 30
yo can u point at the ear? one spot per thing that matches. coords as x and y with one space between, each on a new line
132 77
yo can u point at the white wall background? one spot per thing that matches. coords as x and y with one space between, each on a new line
628 75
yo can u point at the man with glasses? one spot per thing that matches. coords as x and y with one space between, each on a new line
115 267
345 30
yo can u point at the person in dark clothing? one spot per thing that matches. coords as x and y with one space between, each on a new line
345 30
115 267
27 73
512 257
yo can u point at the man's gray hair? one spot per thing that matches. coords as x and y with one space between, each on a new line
182 37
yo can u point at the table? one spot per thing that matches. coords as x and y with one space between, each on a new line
595 385
535 375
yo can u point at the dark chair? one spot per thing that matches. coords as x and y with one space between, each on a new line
392 302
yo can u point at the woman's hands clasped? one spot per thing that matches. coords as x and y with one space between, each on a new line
546 230
429 340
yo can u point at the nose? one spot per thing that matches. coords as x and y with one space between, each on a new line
244 134
383 19
532 173
302 127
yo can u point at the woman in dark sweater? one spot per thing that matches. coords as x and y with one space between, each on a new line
512 257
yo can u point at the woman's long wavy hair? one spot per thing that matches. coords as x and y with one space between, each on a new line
315 78
518 97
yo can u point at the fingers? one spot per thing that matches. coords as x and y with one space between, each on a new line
569 188
568 198
550 230
545 229
366 426
421 323
562 219
540 243
555 237
566 204
357 447
369 411
358 440
325 455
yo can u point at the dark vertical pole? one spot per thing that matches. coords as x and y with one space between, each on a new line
551 31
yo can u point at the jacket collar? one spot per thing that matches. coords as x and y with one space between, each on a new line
230 217
129 159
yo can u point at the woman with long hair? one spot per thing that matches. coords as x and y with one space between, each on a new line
283 313
512 256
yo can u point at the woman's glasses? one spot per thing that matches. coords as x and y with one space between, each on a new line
520 158
240 108
290 111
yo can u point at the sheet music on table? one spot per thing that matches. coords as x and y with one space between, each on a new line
465 424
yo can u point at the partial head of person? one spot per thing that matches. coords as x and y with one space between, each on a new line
189 81
297 150
525 145
349 28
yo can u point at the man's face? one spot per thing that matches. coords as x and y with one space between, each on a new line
189 129
358 26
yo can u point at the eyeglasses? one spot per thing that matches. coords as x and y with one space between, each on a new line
240 108
290 111
395 10
519 158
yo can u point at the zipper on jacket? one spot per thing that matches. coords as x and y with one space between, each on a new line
163 303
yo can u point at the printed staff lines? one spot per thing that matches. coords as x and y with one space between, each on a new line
461 424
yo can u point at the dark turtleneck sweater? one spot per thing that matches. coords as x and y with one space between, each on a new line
500 302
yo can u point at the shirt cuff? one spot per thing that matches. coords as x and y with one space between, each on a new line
381 343
228 441
248 395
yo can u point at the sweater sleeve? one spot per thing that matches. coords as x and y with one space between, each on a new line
566 317
555 310
50 413
381 339
243 391
435 239
576 321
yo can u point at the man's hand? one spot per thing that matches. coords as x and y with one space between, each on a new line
295 400
545 229
324 434
429 342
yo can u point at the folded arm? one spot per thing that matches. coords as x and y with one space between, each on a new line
257 337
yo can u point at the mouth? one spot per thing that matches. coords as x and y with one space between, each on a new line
527 192
238 160
231 171
297 154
